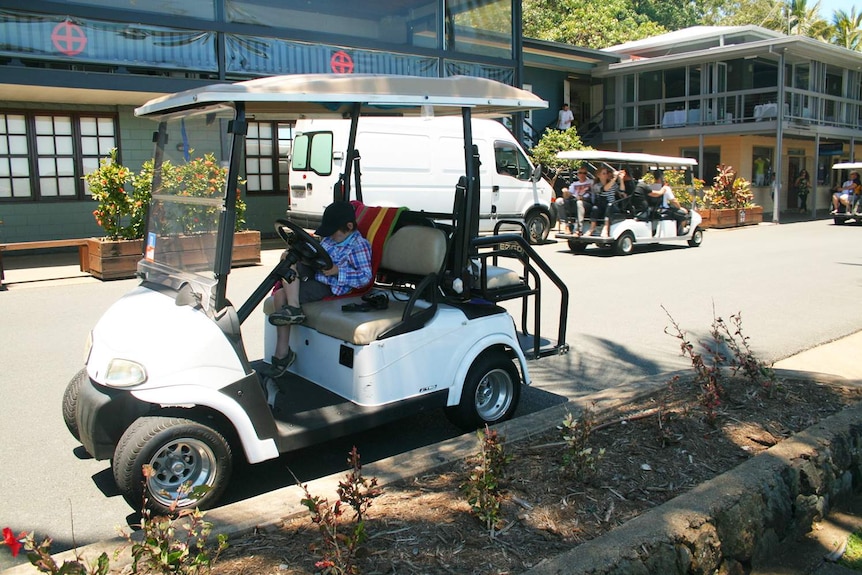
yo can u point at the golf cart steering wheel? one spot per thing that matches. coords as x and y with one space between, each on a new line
307 249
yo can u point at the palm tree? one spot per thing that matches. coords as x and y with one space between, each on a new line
800 19
847 29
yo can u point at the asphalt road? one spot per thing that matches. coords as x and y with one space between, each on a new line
795 285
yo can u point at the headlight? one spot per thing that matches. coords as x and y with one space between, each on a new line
124 373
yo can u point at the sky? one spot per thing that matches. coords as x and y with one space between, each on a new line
827 7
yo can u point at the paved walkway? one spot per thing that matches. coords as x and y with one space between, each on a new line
837 358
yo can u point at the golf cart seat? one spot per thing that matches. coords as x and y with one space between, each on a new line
412 258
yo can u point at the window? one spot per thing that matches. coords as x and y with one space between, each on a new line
510 161
193 8
44 156
14 166
482 27
267 148
761 166
408 23
312 152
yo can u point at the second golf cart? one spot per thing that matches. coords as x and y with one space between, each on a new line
628 225
168 384
852 211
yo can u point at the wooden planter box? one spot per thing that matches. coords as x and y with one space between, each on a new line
118 259
731 218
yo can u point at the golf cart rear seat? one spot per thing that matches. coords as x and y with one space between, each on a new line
413 256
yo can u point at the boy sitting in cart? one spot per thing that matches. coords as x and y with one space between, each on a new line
351 269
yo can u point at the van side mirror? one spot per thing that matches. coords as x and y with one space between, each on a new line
537 173
688 177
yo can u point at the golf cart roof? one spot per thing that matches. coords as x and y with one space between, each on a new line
626 157
334 95
848 166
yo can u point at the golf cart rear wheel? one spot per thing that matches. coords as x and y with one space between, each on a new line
624 244
491 392
696 238
184 455
70 402
538 226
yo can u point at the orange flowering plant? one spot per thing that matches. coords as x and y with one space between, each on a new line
107 186
123 215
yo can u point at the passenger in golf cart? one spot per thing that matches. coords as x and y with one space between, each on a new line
607 193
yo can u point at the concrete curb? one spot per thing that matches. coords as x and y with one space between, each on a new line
736 517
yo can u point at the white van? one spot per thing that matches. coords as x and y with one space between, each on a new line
416 162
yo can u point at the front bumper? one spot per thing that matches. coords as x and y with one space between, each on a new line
103 415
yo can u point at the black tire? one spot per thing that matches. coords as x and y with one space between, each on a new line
625 244
538 227
491 392
696 238
70 402
838 221
577 247
180 451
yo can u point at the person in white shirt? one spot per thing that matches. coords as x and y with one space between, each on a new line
845 193
565 118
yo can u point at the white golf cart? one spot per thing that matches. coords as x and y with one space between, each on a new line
629 224
168 383
853 212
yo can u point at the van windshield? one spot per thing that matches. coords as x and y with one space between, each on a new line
188 198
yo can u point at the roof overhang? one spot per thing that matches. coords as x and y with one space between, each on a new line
557 56
795 48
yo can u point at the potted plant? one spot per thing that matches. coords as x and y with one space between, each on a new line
730 202
123 215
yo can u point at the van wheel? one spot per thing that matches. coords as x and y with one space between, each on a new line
577 247
490 394
70 403
624 244
538 227
184 455
696 238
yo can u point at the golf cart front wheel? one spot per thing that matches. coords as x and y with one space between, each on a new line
190 464
696 238
625 244
70 402
491 392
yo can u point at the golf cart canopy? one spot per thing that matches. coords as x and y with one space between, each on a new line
324 95
626 157
848 166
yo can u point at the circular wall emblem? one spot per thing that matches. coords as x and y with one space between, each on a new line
68 38
341 63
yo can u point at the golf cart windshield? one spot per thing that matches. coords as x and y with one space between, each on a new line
188 198
201 133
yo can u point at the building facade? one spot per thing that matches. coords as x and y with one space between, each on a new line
765 103
72 72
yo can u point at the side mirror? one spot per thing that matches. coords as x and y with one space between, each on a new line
537 173
688 177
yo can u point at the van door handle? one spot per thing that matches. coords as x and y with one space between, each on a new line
495 189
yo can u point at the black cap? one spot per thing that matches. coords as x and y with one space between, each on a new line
335 217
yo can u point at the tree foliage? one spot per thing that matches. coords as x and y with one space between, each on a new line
553 141
588 23
602 23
